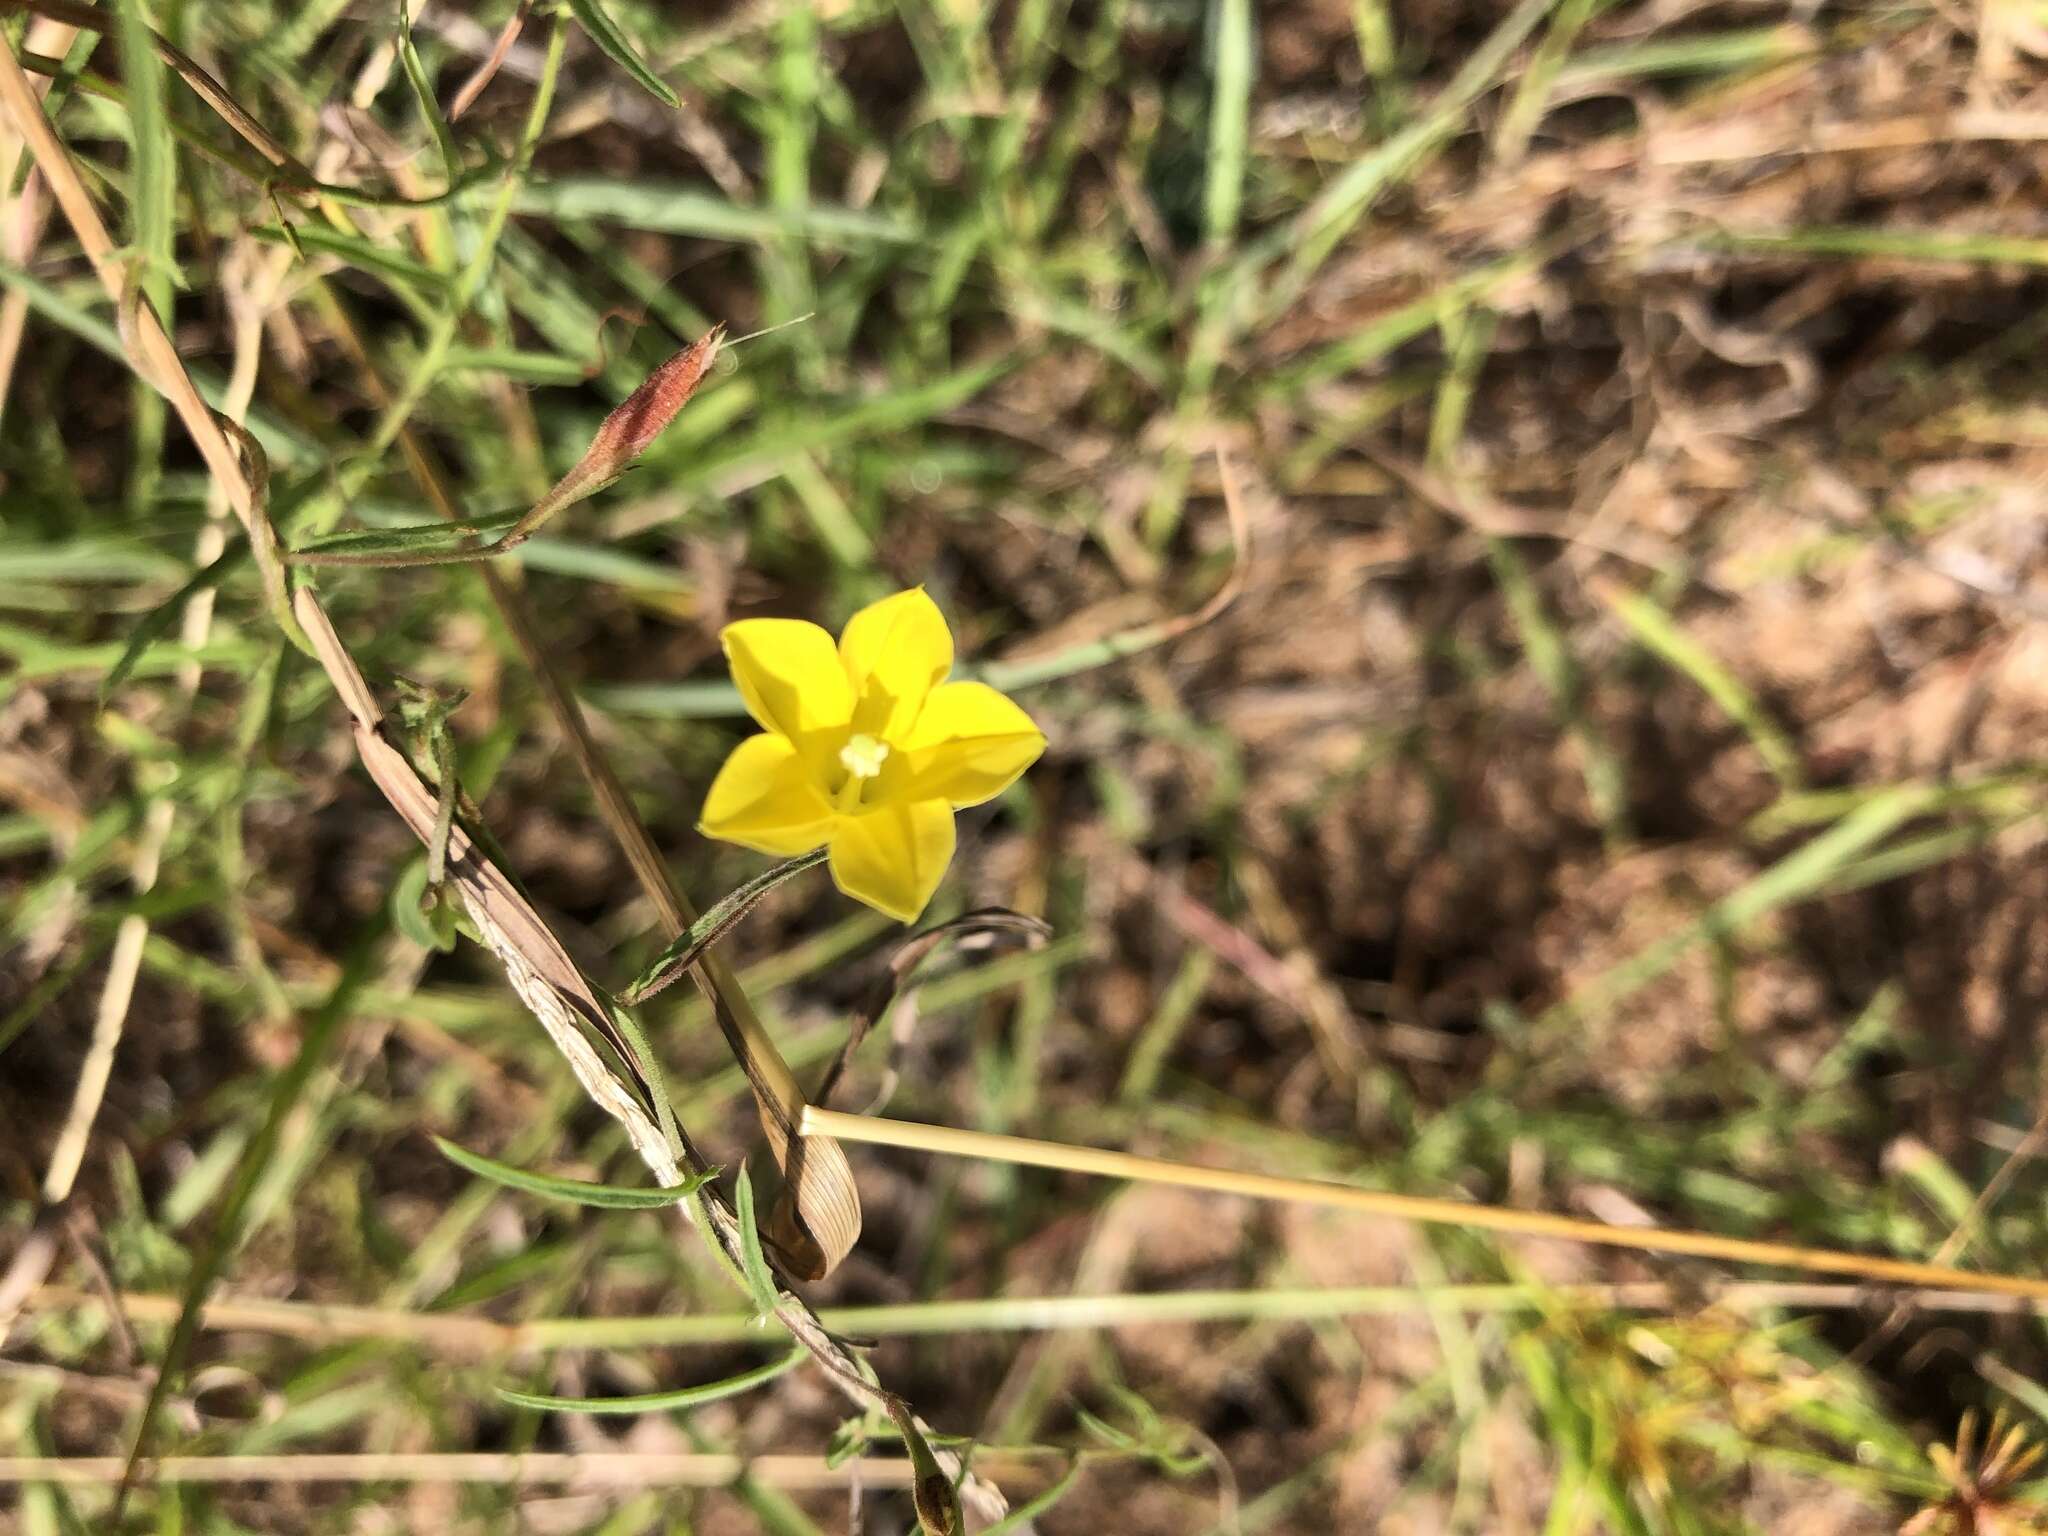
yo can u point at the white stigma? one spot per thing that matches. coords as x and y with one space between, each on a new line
862 756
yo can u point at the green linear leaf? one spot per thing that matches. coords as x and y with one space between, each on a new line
678 208
606 34
423 95
1852 242
158 621
108 559
153 185
656 1402
365 255
579 1191
753 1260
1662 635
1229 119
398 541
670 964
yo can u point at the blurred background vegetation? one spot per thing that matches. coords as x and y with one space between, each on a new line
1615 789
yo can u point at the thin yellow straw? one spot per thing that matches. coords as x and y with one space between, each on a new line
1263 1186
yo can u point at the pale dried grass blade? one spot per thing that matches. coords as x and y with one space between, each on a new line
573 1469
947 1141
487 71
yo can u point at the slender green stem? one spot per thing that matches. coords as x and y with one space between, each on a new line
469 283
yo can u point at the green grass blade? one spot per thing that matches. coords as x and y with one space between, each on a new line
1229 121
103 560
1551 659
761 1287
1849 242
158 621
1316 232
1382 335
1805 872
423 97
1661 635
606 34
1532 94
679 209
659 1402
603 564
406 540
614 1197
153 186
408 278
1706 53
680 954
1020 1518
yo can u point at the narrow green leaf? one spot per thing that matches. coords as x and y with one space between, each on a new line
1851 243
1660 634
407 275
1021 1517
105 559
1306 243
1374 340
1533 93
1229 119
1808 870
650 1075
423 95
158 621
604 564
657 1402
777 440
1704 53
400 541
606 34
677 208
668 967
609 1196
754 1269
1551 659
153 187
523 364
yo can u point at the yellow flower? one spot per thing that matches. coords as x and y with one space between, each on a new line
867 749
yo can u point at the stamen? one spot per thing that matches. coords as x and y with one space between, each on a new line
863 755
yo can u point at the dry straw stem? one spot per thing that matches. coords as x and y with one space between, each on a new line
1492 1218
461 1337
540 971
574 1469
486 72
26 215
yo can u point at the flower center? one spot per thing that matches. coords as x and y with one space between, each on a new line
862 758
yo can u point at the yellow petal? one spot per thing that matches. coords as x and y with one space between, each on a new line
789 675
895 652
893 858
969 745
765 798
